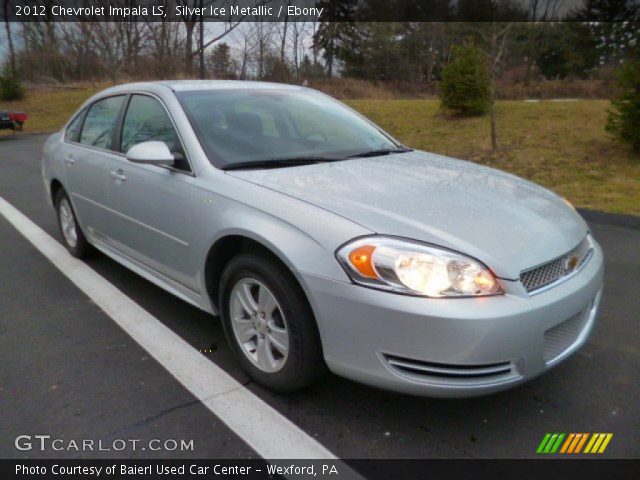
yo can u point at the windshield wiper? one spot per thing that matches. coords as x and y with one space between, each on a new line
294 161
278 162
379 152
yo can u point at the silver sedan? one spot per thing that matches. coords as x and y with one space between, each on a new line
323 243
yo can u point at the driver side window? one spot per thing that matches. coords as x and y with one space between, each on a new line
147 120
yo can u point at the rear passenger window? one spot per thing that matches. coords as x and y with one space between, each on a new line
73 130
100 122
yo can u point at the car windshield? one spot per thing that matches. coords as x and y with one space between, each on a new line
240 127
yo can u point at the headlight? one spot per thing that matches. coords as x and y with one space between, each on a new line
410 267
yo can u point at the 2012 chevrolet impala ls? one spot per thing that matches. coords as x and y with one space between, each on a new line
322 242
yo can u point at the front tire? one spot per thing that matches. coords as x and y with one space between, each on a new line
269 324
72 237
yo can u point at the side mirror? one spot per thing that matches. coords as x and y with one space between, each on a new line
153 153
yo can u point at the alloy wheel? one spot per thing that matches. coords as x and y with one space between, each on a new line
68 223
259 325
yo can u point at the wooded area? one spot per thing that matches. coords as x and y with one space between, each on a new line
395 69
408 55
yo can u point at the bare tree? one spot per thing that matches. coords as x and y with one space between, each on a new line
7 24
191 18
78 51
130 31
499 33
538 13
495 36
429 42
246 49
107 39
263 38
164 46
299 35
283 35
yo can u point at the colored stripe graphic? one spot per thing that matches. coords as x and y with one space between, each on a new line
598 442
556 445
567 442
549 446
543 443
574 443
606 441
594 437
581 442
550 443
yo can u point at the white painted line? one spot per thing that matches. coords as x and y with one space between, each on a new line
265 430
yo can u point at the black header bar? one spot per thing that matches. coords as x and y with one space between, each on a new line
314 10
538 469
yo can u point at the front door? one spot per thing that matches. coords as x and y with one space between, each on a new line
153 203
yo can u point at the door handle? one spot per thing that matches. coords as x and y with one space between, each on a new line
69 160
118 175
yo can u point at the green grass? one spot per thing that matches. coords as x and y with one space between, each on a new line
49 108
561 145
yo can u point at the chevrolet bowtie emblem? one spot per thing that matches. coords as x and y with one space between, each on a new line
571 262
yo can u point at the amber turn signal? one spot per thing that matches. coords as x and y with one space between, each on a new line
360 258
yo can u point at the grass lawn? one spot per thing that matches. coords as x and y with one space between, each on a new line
48 109
561 145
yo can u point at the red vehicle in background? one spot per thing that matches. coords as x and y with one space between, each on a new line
12 120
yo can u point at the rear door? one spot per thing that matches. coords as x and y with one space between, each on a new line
87 153
154 224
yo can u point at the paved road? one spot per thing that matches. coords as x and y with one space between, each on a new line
68 370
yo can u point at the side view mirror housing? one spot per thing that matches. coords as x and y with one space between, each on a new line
152 153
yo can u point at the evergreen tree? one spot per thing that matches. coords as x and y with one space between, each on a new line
221 63
624 122
10 86
613 26
334 33
464 87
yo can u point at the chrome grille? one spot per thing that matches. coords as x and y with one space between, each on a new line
550 272
561 337
452 374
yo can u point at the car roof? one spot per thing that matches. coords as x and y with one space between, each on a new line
163 86
187 85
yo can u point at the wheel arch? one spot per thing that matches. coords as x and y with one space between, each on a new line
230 245
54 187
235 243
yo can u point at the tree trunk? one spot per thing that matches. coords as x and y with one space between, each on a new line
7 24
494 122
330 60
492 90
201 46
296 63
245 55
188 48
527 72
284 40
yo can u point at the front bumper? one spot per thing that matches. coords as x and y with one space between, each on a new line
456 347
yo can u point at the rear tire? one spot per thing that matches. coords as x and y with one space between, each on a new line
269 324
72 237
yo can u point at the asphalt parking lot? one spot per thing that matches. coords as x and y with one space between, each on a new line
69 371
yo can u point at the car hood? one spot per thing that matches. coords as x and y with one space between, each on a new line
506 222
